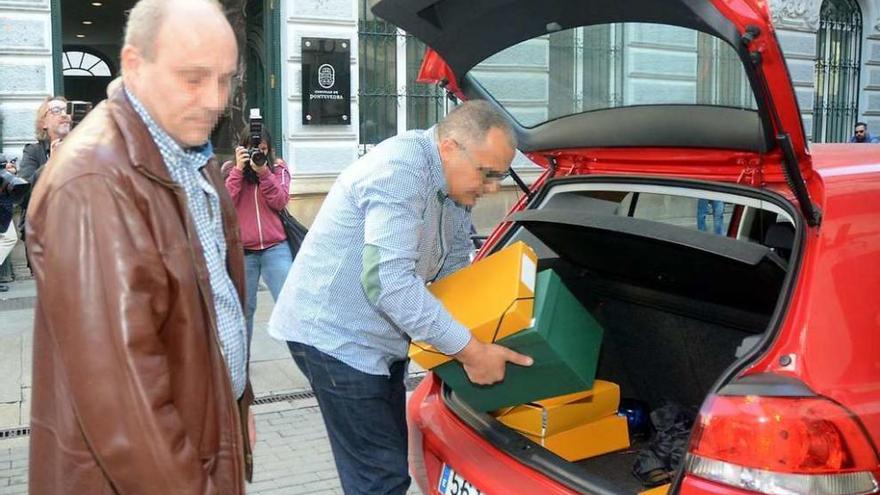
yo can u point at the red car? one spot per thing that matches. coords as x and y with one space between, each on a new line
734 267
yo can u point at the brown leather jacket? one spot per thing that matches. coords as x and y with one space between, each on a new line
130 389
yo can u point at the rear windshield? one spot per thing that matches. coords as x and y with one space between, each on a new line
614 65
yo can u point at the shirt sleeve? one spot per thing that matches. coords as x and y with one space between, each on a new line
393 203
233 183
275 187
30 162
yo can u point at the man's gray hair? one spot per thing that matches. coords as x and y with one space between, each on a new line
471 121
146 18
42 111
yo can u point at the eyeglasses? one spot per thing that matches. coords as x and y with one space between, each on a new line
57 110
489 174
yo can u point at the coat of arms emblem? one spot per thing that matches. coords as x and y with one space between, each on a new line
326 76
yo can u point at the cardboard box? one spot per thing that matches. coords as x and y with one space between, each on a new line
587 440
660 490
493 297
557 414
564 343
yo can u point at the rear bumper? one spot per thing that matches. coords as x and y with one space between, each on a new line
438 436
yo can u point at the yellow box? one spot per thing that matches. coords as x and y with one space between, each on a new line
587 440
556 414
660 490
493 297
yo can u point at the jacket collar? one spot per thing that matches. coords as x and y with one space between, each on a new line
142 150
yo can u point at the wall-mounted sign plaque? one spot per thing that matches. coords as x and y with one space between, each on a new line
326 81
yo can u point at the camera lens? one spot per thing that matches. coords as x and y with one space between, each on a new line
258 158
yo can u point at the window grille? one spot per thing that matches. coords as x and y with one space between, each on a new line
80 63
389 99
838 63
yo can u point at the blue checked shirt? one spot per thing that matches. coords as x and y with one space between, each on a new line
356 290
185 166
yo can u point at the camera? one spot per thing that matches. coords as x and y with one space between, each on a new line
12 187
256 156
77 111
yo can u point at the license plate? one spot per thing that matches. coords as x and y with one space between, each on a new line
452 483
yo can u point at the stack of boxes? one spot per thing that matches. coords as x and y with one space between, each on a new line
556 402
573 426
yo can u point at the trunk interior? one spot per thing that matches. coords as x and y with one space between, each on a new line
678 305
656 356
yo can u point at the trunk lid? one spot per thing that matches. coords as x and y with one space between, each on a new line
767 144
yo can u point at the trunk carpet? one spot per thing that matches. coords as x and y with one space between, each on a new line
616 468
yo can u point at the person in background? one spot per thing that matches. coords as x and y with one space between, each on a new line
8 232
259 192
717 207
51 126
861 134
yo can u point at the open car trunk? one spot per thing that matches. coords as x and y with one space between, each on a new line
679 306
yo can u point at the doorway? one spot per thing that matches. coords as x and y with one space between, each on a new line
87 39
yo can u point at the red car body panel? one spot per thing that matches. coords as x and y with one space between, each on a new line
440 437
831 329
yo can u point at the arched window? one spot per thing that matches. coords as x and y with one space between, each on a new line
838 62
84 64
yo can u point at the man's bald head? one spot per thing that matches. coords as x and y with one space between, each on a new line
179 60
147 17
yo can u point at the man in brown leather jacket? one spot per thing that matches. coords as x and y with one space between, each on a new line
140 357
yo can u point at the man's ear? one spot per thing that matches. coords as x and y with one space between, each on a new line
130 60
447 147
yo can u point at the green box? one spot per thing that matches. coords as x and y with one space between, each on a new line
564 342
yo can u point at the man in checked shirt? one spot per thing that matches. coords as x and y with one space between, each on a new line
394 220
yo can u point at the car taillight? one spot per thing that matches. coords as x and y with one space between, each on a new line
783 445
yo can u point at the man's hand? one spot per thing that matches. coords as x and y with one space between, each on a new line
485 363
252 429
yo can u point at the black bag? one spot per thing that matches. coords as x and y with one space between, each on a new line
294 231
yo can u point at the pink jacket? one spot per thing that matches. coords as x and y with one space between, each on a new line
258 205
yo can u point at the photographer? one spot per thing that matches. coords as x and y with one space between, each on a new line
12 189
259 185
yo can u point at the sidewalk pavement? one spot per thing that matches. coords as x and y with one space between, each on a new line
292 455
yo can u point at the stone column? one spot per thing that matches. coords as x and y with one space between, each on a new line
796 23
316 153
25 69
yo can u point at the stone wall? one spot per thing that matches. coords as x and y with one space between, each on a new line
316 153
25 68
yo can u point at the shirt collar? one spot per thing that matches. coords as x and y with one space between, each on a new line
437 164
197 154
